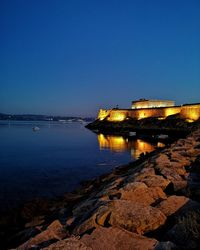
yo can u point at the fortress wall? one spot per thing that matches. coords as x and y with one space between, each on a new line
154 112
103 113
152 104
118 115
191 112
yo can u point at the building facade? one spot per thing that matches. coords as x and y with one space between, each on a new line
151 108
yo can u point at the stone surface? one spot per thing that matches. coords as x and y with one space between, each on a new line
162 160
156 181
71 243
144 173
138 192
117 239
135 217
179 185
54 231
172 204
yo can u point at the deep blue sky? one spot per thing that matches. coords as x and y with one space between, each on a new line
72 57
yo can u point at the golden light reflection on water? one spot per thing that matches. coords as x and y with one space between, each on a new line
121 144
114 143
140 146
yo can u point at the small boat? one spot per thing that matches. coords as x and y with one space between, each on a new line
36 128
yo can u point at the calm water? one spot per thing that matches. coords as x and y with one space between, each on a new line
56 158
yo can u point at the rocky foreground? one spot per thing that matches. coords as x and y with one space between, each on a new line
153 203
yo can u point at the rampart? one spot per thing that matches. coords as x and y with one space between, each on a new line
190 112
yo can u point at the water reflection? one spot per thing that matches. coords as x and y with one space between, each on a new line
121 144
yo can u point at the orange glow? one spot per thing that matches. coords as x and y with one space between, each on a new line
160 145
114 143
171 111
141 147
117 116
120 144
189 112
103 114
142 115
193 114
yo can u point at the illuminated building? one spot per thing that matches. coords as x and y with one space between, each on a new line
151 108
143 103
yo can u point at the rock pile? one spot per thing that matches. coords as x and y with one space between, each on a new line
144 206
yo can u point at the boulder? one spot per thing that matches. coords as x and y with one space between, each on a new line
71 243
172 204
156 181
114 238
179 185
144 173
54 231
170 174
135 217
162 160
138 192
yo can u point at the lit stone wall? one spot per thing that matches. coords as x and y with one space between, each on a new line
190 112
103 113
152 104
154 112
118 115
122 114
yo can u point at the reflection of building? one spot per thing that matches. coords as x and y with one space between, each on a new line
120 144
151 108
143 103
114 143
139 147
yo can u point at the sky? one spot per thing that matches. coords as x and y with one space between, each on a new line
72 57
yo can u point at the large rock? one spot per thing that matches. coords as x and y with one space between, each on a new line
113 238
71 243
162 160
180 185
54 231
177 157
156 181
169 173
135 217
138 192
145 172
172 204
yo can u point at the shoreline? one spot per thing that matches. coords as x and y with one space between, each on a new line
96 206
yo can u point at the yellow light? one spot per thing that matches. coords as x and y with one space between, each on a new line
142 115
114 143
193 115
189 120
117 116
141 147
103 113
171 111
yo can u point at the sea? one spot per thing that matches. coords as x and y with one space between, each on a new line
56 158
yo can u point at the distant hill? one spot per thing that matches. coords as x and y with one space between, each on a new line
31 117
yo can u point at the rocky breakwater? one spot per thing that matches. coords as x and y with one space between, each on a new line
150 204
